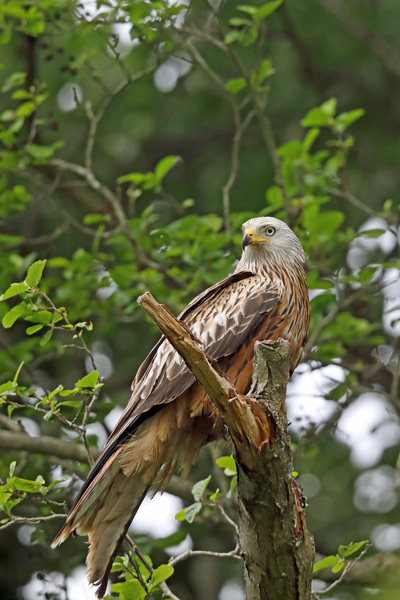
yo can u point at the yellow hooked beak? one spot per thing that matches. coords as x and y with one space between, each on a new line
249 238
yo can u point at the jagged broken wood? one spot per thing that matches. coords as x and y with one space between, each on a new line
276 548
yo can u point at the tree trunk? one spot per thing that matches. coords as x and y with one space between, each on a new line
277 550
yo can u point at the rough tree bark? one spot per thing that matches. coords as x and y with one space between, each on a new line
276 547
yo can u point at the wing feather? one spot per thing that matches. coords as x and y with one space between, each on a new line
222 323
222 317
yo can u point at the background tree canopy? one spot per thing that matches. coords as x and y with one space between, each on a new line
136 137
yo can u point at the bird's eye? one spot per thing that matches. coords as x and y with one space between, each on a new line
270 230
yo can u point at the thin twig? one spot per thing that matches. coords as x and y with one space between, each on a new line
189 553
346 195
265 126
388 54
228 519
41 240
96 118
238 129
167 593
63 314
35 520
348 566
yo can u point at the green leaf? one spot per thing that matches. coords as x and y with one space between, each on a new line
138 10
34 274
84 325
13 290
15 380
41 153
161 573
371 233
266 9
89 380
260 12
94 218
5 238
322 116
337 392
310 138
188 514
291 150
73 403
263 71
65 393
326 562
21 95
8 386
232 487
43 317
58 389
164 166
47 337
191 511
12 315
26 485
33 329
351 548
236 85
233 36
200 487
347 118
215 496
227 463
25 110
14 80
247 8
129 590
338 567
138 178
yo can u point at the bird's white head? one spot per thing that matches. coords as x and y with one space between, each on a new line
266 239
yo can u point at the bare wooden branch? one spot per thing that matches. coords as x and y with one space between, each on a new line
276 548
62 450
50 446
246 420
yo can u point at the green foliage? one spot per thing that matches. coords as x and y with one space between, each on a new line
16 489
111 186
209 501
153 180
248 29
139 582
337 561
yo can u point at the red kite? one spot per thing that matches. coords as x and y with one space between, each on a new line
169 416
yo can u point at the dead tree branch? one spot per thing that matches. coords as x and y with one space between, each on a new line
276 548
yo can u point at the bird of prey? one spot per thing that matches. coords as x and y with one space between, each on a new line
169 416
